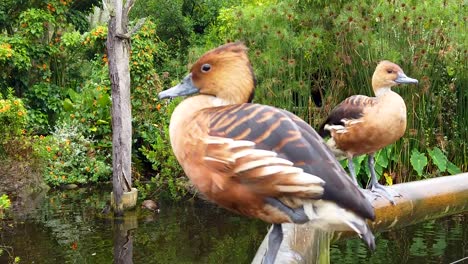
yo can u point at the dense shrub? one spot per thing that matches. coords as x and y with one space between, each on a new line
12 119
73 157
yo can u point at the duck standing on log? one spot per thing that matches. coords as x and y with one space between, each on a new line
257 160
363 125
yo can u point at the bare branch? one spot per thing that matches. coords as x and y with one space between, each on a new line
129 34
128 5
137 27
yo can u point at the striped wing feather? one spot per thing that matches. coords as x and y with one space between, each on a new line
350 109
278 154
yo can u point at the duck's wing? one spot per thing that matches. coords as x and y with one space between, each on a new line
278 154
346 113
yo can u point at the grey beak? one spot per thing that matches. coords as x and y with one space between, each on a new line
402 78
185 87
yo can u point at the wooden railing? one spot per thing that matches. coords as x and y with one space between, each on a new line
420 201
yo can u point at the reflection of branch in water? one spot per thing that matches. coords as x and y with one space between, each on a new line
460 260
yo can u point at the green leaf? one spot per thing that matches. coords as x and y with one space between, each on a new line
357 164
382 159
102 122
450 71
438 158
452 168
418 161
67 105
104 100
74 96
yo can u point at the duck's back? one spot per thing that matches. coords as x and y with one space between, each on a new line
286 157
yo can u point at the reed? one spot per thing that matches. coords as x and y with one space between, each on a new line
310 55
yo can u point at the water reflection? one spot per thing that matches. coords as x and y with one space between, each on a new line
437 241
123 239
68 227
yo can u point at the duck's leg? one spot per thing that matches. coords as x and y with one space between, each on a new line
375 186
352 171
368 194
274 241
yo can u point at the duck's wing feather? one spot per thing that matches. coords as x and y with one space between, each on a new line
348 111
281 153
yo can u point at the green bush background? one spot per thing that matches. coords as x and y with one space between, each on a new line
307 55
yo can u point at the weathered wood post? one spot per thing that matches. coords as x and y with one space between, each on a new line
118 54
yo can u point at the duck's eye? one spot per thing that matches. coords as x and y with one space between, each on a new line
205 67
389 71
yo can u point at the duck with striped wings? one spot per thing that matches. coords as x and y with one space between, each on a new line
257 160
363 125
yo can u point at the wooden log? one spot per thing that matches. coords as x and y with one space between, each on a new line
419 201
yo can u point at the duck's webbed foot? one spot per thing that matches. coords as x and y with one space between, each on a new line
378 188
384 191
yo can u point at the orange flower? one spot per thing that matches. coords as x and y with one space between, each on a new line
48 148
20 113
51 8
158 107
74 245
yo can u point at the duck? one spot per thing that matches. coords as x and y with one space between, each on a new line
362 125
150 205
257 160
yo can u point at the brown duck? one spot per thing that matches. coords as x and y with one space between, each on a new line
363 125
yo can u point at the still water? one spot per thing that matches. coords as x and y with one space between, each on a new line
67 227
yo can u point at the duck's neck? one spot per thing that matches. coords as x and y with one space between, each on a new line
185 113
382 91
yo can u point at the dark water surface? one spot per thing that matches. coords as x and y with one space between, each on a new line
67 227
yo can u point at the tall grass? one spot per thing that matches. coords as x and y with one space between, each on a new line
310 55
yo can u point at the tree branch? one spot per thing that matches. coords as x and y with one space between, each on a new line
129 34
128 5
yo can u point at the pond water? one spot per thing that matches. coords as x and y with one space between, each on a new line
67 227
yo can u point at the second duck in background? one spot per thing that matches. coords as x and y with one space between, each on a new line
363 125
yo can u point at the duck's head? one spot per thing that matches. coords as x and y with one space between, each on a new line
224 73
388 74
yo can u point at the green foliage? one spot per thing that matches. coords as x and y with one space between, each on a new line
309 56
151 118
418 161
5 202
180 22
438 158
13 118
157 151
72 156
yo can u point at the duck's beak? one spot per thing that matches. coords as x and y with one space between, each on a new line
185 87
402 78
